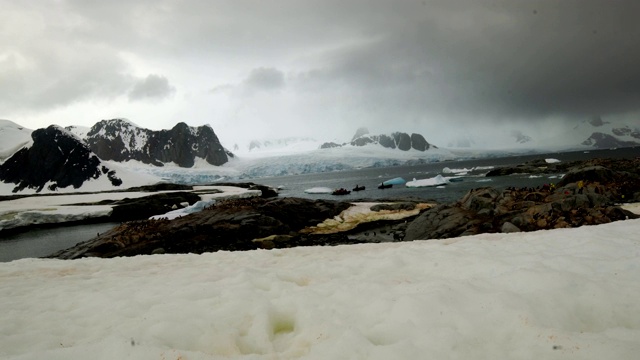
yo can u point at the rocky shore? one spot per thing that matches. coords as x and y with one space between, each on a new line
588 194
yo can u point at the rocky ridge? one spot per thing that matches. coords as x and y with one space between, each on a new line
120 140
587 195
397 140
56 159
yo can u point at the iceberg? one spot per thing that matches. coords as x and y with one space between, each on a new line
434 181
395 181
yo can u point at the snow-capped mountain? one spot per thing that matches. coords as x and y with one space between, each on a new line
12 138
609 135
56 160
397 140
121 140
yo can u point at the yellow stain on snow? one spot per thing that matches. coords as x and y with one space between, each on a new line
361 213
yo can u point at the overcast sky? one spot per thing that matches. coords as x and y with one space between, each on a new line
260 69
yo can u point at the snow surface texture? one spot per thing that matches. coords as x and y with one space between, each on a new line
560 294
129 179
59 209
12 138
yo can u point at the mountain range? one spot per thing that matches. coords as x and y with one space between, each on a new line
55 159
120 140
118 153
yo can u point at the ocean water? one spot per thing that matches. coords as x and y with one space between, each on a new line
41 242
44 241
295 185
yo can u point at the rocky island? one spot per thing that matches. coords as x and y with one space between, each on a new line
588 194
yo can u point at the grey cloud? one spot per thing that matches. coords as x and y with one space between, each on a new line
35 79
153 87
265 79
221 88
410 62
43 66
498 59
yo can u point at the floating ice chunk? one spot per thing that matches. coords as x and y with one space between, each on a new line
462 171
395 181
319 190
434 181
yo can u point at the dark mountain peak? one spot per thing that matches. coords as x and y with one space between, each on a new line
56 159
399 140
605 141
120 140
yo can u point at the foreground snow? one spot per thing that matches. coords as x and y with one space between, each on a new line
569 293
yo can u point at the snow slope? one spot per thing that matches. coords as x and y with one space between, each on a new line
559 294
129 179
12 138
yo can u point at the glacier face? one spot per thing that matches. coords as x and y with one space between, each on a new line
314 161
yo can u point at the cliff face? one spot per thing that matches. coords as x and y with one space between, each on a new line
57 159
120 140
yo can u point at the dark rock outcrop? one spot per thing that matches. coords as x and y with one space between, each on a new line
330 145
586 195
626 131
120 140
539 166
605 141
227 225
57 158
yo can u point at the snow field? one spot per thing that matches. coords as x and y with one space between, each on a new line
560 294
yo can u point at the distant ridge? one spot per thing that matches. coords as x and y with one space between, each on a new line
397 140
121 140
56 159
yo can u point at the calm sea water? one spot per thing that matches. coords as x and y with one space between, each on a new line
41 242
44 241
295 185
